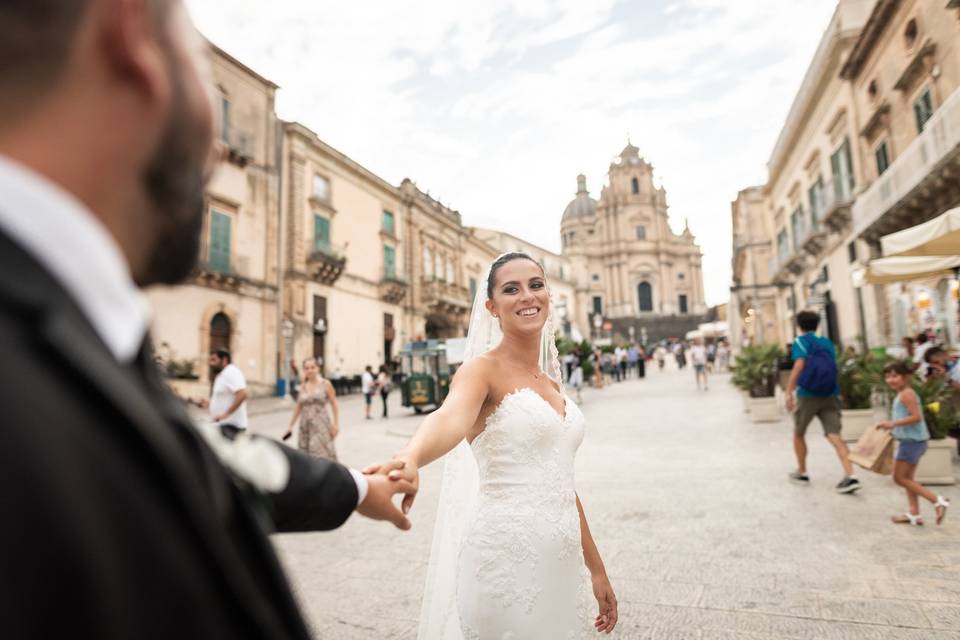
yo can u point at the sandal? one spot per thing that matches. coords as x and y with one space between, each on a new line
908 518
940 506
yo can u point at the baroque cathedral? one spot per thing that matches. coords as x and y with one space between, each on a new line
636 278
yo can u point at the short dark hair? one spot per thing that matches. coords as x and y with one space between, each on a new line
368 368
931 352
502 260
36 38
223 354
898 367
808 320
922 337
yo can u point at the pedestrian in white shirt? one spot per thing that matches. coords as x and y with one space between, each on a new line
228 399
367 387
698 356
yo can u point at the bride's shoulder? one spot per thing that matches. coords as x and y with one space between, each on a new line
479 370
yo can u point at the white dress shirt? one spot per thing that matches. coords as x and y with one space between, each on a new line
64 236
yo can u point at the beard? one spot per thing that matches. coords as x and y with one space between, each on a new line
175 182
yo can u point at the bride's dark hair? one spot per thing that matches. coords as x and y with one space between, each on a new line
502 260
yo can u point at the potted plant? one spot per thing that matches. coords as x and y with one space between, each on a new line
858 376
940 413
755 372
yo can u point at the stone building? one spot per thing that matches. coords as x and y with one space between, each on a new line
814 173
905 74
343 268
559 272
231 301
752 313
871 146
632 271
446 263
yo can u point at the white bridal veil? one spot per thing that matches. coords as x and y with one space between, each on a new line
458 492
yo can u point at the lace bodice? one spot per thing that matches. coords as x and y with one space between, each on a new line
521 571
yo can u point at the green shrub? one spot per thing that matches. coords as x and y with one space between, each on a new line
755 370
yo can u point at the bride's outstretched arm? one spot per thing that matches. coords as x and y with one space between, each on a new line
443 429
606 600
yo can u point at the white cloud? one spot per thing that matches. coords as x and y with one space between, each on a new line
495 106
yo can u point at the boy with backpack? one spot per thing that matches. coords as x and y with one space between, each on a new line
814 378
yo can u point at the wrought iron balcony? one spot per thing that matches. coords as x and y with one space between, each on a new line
920 183
815 239
240 146
326 262
835 208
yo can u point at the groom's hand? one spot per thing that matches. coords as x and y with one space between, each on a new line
399 470
378 505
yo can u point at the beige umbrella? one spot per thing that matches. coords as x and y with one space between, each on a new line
906 268
937 237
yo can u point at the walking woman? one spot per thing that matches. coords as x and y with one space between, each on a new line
384 385
314 408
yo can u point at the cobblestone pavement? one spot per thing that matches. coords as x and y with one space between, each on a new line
702 535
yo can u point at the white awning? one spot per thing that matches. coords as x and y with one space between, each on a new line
906 268
937 237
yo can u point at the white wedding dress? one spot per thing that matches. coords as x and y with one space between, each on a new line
520 573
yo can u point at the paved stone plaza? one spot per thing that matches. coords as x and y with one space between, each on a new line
702 534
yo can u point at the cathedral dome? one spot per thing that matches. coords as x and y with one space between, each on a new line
583 206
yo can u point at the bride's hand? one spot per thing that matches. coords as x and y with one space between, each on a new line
399 469
606 603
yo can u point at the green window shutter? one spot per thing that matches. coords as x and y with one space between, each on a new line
219 241
389 262
923 110
388 222
321 233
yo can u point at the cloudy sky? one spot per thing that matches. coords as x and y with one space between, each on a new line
494 106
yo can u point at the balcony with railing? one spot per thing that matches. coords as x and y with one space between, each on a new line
393 286
814 237
920 183
445 297
837 200
239 145
326 262
223 272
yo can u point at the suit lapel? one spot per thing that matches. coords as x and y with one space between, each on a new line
199 483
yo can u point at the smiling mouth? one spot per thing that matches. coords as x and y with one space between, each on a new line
528 313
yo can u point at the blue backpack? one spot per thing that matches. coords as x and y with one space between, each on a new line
819 375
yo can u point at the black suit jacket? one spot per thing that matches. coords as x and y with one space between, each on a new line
116 520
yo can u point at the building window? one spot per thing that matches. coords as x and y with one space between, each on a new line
598 305
224 120
427 262
910 34
562 276
321 233
923 110
220 241
681 276
389 262
645 296
882 157
797 226
321 188
815 195
634 185
641 232
438 270
783 248
682 303
388 224
595 277
852 251
841 164
451 272
473 288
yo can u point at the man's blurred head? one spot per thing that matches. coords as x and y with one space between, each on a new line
111 99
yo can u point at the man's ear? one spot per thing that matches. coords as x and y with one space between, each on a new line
130 35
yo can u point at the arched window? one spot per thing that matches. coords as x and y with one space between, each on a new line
220 332
634 185
645 296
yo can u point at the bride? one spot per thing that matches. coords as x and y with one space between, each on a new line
506 558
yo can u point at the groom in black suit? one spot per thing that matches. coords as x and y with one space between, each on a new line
118 519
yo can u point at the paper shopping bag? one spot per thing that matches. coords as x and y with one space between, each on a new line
874 451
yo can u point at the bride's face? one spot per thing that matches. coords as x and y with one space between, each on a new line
520 297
